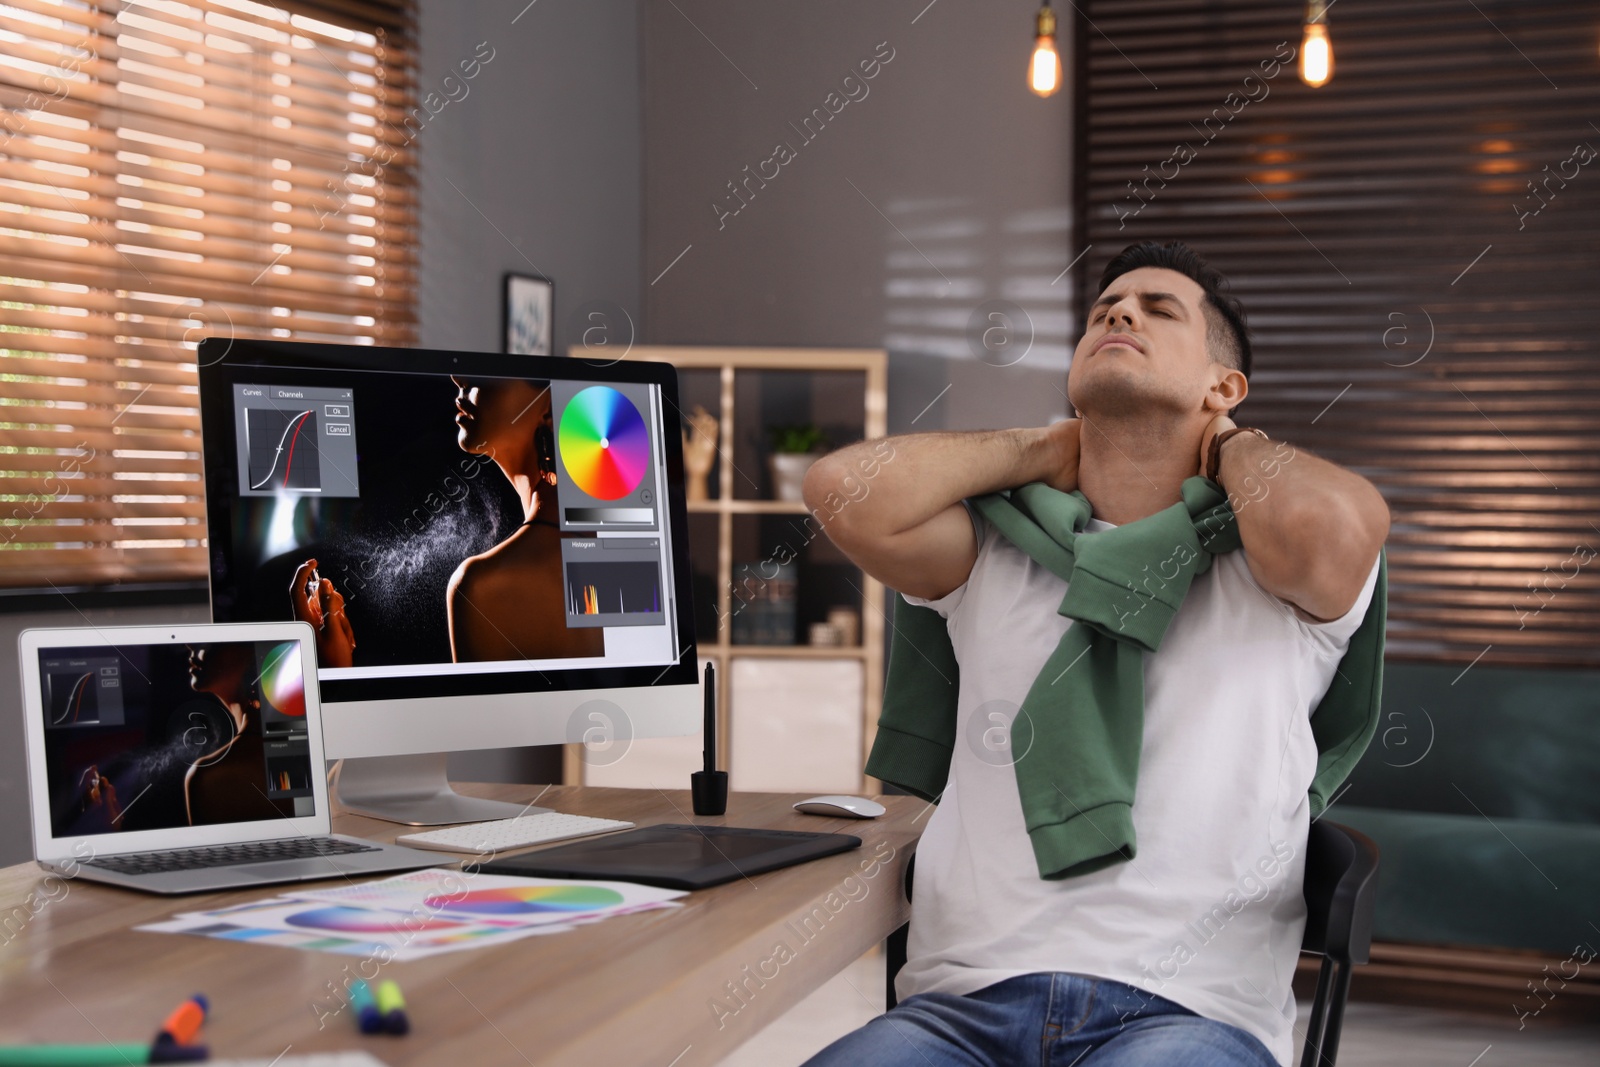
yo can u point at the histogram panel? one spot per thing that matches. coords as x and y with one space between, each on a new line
613 589
283 449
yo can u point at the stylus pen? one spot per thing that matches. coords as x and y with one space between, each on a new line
709 788
115 1055
710 733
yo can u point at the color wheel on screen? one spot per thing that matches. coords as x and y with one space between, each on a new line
605 443
528 900
336 919
283 680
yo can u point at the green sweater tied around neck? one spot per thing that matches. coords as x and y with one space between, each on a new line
1081 726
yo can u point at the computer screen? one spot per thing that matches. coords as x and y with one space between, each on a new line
157 736
486 544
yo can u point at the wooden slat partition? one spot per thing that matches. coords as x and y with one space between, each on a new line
1415 245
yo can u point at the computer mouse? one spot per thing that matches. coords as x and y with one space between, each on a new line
847 807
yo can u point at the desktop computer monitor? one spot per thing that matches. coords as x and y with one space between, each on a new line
506 534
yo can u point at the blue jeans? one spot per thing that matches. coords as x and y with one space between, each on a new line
1052 1020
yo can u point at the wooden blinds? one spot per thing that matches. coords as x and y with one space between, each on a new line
1415 244
171 171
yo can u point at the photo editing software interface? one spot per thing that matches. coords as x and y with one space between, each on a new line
151 737
469 524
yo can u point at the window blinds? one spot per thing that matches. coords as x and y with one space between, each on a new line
171 171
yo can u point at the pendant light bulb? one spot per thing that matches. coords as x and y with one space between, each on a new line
1316 49
1044 69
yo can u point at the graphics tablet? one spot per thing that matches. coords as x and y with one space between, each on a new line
677 856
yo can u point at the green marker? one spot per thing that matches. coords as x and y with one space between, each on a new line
368 1017
117 1055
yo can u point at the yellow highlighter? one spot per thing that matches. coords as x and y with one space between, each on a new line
392 1007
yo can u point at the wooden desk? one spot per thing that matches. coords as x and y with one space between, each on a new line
674 987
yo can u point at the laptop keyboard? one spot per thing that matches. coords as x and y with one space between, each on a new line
193 859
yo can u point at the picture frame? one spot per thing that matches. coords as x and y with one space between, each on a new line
529 314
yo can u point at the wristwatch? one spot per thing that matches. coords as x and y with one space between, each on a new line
1214 454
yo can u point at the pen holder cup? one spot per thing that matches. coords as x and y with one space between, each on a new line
710 792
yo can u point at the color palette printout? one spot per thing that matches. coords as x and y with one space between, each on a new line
419 914
495 899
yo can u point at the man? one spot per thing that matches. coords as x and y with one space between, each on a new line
1183 954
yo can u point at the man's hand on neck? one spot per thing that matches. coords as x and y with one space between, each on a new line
1064 438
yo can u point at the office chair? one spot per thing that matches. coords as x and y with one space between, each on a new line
1341 892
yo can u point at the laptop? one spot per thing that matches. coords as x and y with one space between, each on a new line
184 759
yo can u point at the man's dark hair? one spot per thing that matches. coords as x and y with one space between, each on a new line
1227 336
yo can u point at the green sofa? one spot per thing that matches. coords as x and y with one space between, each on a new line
1482 791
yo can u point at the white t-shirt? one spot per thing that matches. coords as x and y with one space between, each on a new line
1209 913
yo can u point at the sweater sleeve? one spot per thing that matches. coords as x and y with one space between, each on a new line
916 728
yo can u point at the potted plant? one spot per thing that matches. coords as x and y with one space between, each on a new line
794 449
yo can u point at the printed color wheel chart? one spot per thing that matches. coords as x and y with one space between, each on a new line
337 919
528 900
605 443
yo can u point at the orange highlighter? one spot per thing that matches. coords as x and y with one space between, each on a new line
183 1024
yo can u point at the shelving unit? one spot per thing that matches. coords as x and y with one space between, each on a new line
762 742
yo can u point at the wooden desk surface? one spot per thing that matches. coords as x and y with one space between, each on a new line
673 987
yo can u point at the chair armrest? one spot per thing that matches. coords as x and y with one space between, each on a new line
1341 886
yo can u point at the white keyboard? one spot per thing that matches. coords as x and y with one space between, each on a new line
503 835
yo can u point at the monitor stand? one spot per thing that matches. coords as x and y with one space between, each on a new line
415 791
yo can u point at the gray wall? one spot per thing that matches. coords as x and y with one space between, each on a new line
536 169
947 185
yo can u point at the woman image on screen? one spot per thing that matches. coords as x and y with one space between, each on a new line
509 602
226 780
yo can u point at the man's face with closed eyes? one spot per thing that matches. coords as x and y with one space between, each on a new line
1145 348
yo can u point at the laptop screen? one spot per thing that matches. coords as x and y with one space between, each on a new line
159 736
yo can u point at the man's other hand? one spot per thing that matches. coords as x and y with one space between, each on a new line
1216 426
